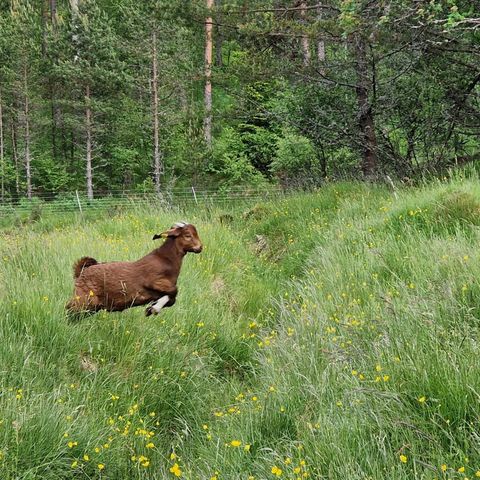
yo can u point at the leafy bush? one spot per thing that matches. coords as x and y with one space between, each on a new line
296 162
229 161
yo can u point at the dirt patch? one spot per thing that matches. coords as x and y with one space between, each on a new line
218 285
87 364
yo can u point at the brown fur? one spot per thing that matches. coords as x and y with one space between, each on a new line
116 286
82 264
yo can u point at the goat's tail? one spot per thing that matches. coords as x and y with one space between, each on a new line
82 264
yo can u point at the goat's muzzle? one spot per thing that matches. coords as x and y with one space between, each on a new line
197 249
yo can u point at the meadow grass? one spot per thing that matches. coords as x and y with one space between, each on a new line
323 335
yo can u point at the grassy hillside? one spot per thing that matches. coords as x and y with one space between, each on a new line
330 335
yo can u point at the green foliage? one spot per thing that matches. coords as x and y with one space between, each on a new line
296 160
289 80
230 163
51 175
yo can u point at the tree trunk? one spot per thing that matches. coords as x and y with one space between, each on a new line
28 171
55 110
208 76
157 160
75 39
321 56
2 151
305 41
15 155
53 12
88 131
2 156
218 37
44 16
74 5
365 112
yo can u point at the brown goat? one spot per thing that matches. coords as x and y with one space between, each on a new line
116 286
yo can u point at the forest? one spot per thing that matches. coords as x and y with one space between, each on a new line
105 96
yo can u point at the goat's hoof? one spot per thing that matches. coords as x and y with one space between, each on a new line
149 311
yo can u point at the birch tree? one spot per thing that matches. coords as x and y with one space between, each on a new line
157 160
208 73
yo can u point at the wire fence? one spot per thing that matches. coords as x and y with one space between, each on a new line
122 200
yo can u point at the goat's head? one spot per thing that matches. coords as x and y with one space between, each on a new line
185 235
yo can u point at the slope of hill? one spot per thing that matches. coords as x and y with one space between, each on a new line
327 335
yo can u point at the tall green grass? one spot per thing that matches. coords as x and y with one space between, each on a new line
328 335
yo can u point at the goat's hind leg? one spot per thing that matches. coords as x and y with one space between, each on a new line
75 312
156 306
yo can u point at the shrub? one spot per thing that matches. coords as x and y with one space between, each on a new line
296 163
229 161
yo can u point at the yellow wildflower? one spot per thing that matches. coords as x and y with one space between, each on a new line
176 470
277 471
422 399
443 468
101 466
235 443
403 458
461 469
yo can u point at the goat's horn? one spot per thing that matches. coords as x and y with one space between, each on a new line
180 224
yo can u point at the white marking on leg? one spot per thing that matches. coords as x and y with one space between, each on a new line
160 303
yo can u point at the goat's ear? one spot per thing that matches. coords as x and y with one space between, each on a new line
161 235
173 232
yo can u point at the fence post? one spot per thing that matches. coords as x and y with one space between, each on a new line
393 187
194 195
78 201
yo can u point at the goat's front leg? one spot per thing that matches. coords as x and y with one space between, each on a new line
155 307
165 300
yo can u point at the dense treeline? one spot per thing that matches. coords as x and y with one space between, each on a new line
103 95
